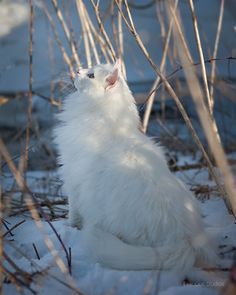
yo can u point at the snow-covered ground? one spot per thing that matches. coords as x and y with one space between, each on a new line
48 65
94 279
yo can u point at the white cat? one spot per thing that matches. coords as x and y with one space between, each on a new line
134 213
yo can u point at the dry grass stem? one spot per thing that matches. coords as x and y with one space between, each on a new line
203 68
89 32
180 31
80 10
121 40
53 62
114 29
106 53
102 29
24 159
102 44
29 199
200 53
152 92
67 32
207 124
160 17
187 62
172 93
59 43
213 65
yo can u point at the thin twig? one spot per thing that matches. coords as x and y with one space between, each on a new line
13 227
30 201
4 222
62 244
180 68
18 282
21 272
24 278
36 251
70 258
44 272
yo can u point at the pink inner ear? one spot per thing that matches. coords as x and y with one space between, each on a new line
112 79
118 64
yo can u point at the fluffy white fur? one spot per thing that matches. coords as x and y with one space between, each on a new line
134 213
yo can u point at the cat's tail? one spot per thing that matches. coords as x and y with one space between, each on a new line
111 252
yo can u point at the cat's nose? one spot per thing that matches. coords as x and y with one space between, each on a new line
79 70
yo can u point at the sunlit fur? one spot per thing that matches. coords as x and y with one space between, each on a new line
134 213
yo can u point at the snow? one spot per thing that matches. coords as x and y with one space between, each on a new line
94 279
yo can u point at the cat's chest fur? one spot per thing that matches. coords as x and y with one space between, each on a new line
117 179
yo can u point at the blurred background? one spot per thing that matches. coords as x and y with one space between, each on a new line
51 74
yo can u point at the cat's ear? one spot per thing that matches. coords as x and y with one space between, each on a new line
117 65
112 79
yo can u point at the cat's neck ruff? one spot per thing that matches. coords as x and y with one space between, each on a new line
114 111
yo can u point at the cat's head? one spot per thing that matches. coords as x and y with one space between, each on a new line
100 78
103 91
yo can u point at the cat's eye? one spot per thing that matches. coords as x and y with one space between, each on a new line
91 75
